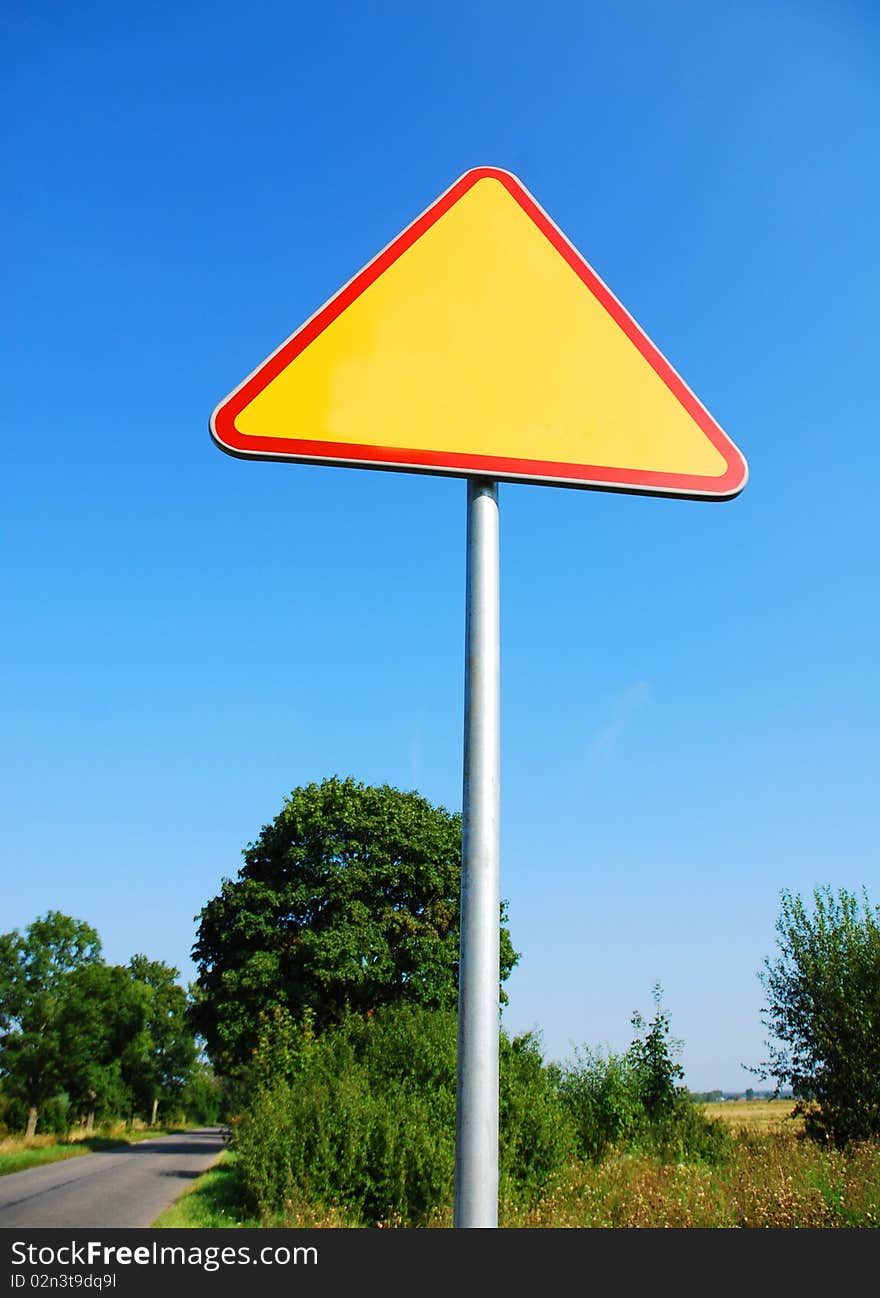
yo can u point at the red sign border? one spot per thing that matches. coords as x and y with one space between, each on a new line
547 472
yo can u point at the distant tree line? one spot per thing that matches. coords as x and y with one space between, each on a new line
83 1041
715 1097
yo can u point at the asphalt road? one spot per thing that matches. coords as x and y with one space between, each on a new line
129 1186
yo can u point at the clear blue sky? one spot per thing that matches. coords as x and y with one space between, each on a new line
690 705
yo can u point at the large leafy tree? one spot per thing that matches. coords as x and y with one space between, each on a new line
35 970
823 993
348 900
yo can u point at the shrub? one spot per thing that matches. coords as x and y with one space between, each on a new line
367 1124
13 1114
686 1134
536 1132
601 1096
632 1101
823 1009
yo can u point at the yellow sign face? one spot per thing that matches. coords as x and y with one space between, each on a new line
480 343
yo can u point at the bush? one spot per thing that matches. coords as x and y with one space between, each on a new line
632 1101
686 1134
367 1123
536 1133
601 1095
823 1008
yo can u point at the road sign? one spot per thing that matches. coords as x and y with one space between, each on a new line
480 342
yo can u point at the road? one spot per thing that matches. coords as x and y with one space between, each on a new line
125 1187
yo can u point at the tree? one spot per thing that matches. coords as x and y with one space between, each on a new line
202 1099
347 901
162 1067
102 1034
35 968
823 991
652 1055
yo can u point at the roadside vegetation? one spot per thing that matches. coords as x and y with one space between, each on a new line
322 1030
215 1201
777 1181
757 1170
356 1127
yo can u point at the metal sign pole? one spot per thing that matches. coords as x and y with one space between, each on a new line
476 1137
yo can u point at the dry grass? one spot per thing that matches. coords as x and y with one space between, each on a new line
775 1180
14 1144
18 1154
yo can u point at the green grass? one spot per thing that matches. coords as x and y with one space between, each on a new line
18 1156
214 1200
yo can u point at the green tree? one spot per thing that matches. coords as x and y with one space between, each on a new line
347 901
652 1055
102 1035
202 1099
35 969
823 1011
161 1064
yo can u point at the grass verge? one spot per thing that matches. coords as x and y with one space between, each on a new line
214 1200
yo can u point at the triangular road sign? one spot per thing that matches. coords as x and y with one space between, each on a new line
481 343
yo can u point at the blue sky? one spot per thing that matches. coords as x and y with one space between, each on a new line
689 703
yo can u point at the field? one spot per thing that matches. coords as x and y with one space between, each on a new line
756 1115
